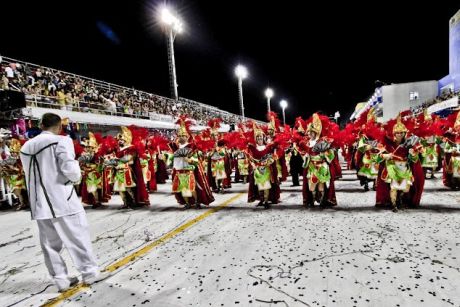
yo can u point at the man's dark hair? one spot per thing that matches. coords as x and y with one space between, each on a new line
50 120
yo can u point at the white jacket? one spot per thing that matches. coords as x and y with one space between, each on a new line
51 169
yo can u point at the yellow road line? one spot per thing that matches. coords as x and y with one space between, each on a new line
130 258
66 294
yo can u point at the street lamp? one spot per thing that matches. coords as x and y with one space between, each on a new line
284 104
269 94
173 25
241 73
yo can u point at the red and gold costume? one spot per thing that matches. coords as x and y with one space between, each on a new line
11 169
240 160
155 145
161 171
128 177
318 175
427 128
108 156
367 156
400 179
218 160
280 155
263 172
241 166
451 161
92 169
189 183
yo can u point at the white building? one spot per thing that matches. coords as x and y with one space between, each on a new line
404 96
391 99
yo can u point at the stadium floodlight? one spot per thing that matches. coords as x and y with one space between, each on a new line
173 25
269 94
241 73
167 17
284 104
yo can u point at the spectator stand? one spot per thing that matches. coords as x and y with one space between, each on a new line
54 89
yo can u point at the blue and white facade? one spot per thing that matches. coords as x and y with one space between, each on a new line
452 80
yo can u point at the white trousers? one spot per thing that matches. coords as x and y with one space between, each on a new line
72 233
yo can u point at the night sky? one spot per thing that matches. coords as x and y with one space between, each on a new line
325 56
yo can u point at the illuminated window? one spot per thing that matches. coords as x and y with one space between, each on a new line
413 96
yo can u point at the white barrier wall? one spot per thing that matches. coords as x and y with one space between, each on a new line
448 104
108 120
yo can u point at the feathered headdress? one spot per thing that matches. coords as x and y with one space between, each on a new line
348 135
214 124
139 138
158 142
235 140
242 127
426 126
361 120
78 148
405 113
283 139
109 144
374 131
204 142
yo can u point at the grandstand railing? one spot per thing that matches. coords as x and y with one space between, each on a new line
52 102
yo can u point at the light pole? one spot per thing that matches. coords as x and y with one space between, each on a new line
241 73
269 94
173 25
284 104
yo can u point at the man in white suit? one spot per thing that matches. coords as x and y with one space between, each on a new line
51 171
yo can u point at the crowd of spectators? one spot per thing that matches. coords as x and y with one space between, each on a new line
446 95
46 87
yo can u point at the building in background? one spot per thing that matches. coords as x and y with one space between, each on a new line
406 96
388 100
391 99
451 82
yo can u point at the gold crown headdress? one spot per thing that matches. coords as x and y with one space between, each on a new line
184 126
427 116
126 135
182 131
15 145
257 130
91 142
315 125
371 115
272 123
399 126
